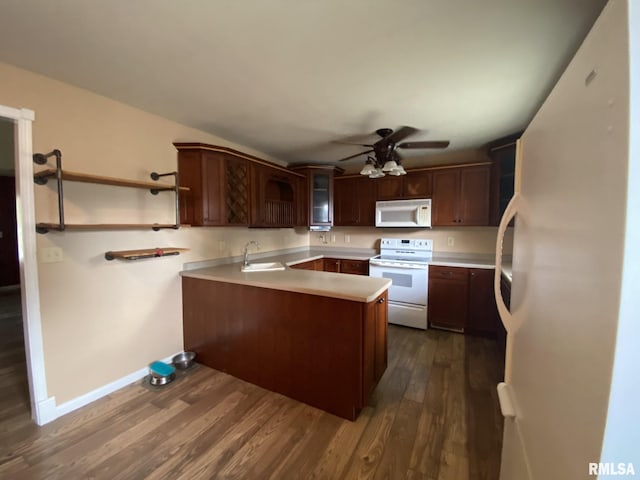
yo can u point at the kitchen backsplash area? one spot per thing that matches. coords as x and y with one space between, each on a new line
220 242
481 240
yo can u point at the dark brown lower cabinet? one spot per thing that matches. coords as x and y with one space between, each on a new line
317 265
448 292
375 348
331 265
463 299
327 352
354 267
483 313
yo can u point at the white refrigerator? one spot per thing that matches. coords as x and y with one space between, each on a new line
571 395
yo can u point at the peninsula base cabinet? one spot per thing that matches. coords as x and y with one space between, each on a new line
461 299
327 352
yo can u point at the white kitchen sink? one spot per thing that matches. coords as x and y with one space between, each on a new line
263 267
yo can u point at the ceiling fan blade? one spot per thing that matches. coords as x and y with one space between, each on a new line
395 137
349 143
429 144
355 155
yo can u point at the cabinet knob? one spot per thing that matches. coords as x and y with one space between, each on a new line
381 300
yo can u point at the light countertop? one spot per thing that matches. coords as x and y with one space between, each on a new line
356 288
463 260
337 285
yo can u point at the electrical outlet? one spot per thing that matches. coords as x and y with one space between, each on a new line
347 239
222 245
451 241
51 255
333 238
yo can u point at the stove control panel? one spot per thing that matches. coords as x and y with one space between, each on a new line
406 244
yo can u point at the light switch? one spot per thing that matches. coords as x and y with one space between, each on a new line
51 255
451 241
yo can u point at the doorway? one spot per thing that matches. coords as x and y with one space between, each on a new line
42 408
14 386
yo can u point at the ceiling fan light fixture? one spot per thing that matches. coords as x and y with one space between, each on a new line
377 173
368 168
389 166
399 171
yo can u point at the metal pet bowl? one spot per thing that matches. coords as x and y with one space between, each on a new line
183 360
157 380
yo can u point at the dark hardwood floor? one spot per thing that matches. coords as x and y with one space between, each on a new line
434 415
14 387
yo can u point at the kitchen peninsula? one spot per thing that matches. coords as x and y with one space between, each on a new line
318 337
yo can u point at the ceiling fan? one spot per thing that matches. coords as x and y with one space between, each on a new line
386 158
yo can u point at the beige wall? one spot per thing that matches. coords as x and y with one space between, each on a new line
480 240
103 320
6 147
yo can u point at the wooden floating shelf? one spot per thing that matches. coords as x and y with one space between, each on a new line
145 253
97 179
45 227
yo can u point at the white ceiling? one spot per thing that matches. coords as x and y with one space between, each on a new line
289 77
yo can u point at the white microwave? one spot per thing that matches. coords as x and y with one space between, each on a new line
404 213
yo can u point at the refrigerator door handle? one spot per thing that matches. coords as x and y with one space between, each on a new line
509 213
505 398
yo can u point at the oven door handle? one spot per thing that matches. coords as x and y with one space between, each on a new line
377 263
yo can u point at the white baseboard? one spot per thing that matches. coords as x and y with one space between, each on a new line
50 414
45 411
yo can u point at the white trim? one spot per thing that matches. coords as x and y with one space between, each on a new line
103 391
14 113
26 225
47 411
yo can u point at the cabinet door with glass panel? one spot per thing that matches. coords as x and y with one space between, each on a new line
321 211
320 194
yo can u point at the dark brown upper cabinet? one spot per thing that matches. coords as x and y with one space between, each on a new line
461 195
275 197
503 154
415 184
355 201
230 188
219 185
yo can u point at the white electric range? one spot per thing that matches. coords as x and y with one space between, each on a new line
406 263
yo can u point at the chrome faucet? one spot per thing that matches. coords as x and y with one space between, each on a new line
246 251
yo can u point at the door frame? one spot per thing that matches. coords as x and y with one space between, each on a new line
42 407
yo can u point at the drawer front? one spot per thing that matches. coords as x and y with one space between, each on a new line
357 267
460 274
331 265
304 266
